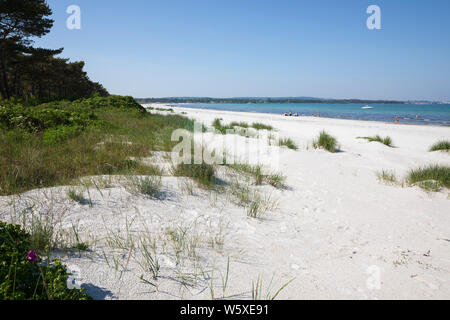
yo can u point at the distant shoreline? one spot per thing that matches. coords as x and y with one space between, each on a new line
280 101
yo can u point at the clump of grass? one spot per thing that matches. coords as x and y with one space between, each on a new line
261 126
42 235
79 245
204 174
326 142
223 129
259 205
217 124
443 145
149 185
276 180
288 143
431 178
387 176
386 141
164 109
257 289
187 187
239 124
76 196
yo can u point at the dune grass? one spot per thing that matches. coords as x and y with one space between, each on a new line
432 177
277 180
326 142
224 129
114 133
149 185
443 145
386 141
261 126
288 142
204 174
387 176
239 124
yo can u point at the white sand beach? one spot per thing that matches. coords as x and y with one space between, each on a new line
336 231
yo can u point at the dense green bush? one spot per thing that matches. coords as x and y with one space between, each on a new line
40 118
60 134
21 277
79 113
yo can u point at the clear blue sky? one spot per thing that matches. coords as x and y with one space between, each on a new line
231 48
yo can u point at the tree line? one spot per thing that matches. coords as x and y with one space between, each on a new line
28 72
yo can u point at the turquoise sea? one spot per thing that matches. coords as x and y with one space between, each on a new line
427 114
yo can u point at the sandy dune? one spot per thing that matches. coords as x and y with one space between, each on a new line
337 231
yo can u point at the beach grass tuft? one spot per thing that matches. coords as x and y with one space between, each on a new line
149 185
387 176
432 177
224 129
204 174
288 142
275 179
443 145
326 142
76 196
386 141
261 126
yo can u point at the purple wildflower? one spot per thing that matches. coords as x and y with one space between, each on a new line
31 256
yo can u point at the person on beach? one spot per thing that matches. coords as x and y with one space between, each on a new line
396 120
290 114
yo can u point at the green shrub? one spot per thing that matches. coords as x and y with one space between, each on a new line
21 279
61 134
433 175
440 146
57 142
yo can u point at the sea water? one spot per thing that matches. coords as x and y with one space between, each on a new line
424 114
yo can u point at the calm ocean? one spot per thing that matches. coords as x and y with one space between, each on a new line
429 114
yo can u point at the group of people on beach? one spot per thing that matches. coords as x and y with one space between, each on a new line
290 114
